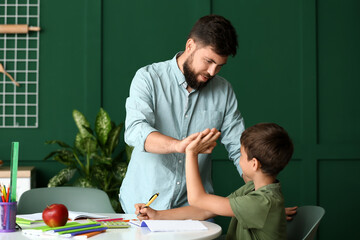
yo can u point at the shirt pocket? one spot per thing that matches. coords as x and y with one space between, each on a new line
209 119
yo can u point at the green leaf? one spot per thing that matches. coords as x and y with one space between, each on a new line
100 173
60 143
102 126
128 150
120 170
113 139
84 182
50 155
65 159
90 145
85 144
62 177
103 160
63 156
81 123
89 130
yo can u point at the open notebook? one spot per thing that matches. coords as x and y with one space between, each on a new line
72 216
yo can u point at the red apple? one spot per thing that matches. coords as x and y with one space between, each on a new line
55 215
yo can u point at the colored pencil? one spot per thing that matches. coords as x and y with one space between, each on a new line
90 234
8 194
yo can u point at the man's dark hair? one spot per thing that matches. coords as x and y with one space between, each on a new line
270 144
217 32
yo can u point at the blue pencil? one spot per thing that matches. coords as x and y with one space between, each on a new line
85 231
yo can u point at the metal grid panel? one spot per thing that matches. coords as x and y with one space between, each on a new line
19 54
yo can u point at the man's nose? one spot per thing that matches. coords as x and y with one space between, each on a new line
212 70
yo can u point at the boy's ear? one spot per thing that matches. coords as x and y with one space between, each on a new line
256 164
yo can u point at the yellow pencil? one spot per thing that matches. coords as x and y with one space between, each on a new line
152 199
3 192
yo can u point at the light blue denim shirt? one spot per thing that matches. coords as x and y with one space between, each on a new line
159 101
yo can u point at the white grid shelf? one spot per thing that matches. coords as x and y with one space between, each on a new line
19 54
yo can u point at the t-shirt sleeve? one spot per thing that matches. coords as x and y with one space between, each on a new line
250 210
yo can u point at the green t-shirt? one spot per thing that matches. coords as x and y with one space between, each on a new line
259 214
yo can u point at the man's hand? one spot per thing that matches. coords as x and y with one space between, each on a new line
204 142
289 212
182 144
144 213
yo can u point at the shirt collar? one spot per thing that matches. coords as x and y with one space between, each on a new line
180 78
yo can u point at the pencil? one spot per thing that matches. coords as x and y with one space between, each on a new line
150 201
8 194
90 234
3 192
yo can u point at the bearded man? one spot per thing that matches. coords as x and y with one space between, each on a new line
171 100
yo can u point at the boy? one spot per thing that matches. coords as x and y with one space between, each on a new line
257 208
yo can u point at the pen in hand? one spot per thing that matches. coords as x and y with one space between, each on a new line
150 201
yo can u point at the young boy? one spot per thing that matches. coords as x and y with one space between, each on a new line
257 208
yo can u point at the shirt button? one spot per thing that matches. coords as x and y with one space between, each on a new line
180 161
186 115
178 183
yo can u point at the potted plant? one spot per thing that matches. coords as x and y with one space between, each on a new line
90 161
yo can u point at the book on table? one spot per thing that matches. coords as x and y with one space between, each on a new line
37 217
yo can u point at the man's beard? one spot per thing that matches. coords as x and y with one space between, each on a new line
190 76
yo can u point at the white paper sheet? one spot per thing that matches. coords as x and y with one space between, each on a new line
173 225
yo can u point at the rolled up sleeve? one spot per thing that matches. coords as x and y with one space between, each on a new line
140 119
232 128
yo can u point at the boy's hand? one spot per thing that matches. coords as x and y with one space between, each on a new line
204 142
144 213
290 211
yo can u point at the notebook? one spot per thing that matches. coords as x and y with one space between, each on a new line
173 225
72 216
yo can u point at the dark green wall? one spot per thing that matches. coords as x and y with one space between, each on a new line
69 77
297 65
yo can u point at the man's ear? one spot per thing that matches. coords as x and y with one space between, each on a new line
190 45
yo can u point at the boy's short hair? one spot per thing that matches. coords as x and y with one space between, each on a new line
217 32
270 144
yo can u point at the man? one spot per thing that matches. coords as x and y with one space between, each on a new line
171 100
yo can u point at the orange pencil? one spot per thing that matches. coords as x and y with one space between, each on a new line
8 194
90 234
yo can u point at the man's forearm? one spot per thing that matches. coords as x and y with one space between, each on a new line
160 143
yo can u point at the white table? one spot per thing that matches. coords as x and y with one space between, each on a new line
132 233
